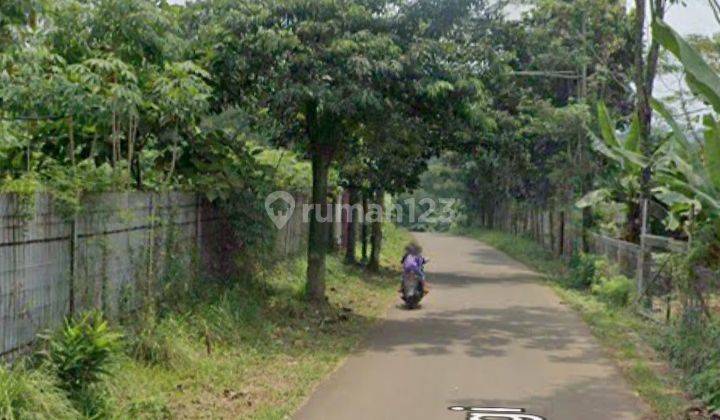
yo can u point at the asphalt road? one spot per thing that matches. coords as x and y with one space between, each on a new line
488 335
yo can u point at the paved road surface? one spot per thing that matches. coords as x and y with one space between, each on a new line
487 335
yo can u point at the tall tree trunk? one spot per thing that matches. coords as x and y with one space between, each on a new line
364 228
351 226
330 231
318 230
561 235
376 241
551 226
645 71
586 173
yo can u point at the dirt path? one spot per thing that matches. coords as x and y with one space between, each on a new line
487 335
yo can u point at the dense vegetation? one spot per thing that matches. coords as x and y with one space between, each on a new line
103 94
253 349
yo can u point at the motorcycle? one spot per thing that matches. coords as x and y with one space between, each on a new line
412 290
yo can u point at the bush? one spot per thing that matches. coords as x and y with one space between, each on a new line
32 394
582 271
706 385
79 353
615 291
694 347
79 356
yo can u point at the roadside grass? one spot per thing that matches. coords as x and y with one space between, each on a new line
248 348
628 339
256 350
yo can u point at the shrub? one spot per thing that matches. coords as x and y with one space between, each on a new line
79 355
706 385
32 394
694 347
582 271
615 291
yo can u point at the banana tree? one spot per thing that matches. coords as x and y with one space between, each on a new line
693 175
627 169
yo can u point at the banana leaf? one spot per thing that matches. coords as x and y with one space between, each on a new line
699 75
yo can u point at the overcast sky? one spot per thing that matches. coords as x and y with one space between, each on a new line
695 18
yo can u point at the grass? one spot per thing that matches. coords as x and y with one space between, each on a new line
258 349
628 339
32 394
251 348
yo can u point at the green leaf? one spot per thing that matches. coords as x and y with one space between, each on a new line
632 141
607 128
700 76
593 197
672 198
599 146
712 151
678 132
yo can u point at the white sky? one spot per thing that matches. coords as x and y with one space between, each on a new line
694 18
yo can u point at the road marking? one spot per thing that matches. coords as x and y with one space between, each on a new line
495 413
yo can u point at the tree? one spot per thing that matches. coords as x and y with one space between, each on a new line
317 64
545 73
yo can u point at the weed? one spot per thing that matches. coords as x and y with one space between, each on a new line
614 291
160 342
32 394
582 271
79 356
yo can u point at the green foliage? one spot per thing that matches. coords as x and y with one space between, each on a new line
80 353
700 76
583 271
691 179
32 394
694 347
706 385
595 274
437 204
240 340
615 291
160 342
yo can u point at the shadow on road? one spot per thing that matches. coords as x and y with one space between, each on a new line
486 332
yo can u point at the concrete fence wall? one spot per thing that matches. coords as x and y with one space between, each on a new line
117 251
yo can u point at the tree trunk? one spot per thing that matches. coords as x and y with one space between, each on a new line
318 231
364 228
376 241
561 235
330 231
551 226
633 222
645 71
351 226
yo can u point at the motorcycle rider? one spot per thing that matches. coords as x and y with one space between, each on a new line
413 261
